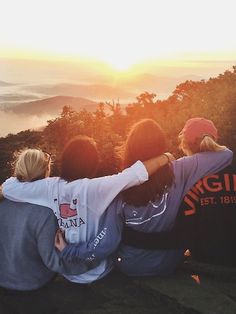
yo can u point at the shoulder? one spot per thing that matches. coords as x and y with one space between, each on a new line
27 209
34 209
187 161
183 162
40 215
38 209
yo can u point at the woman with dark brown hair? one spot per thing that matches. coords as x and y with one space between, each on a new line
145 140
152 206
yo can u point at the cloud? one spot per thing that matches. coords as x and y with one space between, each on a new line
13 123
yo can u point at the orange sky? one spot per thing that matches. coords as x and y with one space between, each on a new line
120 33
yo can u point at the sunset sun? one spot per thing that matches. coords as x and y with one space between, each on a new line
119 64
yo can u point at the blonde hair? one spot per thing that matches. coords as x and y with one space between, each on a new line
32 164
208 144
205 144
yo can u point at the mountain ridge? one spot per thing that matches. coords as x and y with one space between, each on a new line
52 105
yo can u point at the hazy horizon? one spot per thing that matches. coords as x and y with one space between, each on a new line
34 80
36 71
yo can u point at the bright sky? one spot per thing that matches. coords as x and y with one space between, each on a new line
119 32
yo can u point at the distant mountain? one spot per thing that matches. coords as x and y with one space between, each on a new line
124 87
16 97
96 92
52 105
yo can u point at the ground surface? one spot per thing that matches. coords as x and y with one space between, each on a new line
212 292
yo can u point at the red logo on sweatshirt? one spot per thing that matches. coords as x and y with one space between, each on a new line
66 211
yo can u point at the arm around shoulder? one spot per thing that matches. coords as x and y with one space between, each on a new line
152 165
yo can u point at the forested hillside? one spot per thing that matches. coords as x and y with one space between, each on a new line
108 124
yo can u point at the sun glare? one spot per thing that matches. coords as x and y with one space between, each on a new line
119 65
120 62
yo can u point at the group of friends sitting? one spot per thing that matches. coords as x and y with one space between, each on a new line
140 221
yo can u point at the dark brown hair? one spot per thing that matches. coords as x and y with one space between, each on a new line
79 159
146 140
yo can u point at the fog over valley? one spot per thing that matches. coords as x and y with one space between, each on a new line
34 91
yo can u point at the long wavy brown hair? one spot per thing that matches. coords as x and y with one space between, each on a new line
146 140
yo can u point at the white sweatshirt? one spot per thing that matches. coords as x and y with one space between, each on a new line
77 205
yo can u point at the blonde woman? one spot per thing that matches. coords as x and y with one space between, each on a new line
76 199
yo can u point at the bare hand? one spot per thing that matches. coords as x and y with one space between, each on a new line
60 242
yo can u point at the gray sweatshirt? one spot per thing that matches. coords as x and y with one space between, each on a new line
28 257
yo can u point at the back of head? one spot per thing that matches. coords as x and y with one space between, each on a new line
32 164
199 135
79 159
146 140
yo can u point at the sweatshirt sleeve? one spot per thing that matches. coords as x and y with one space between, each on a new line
105 242
102 191
36 192
192 168
50 256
